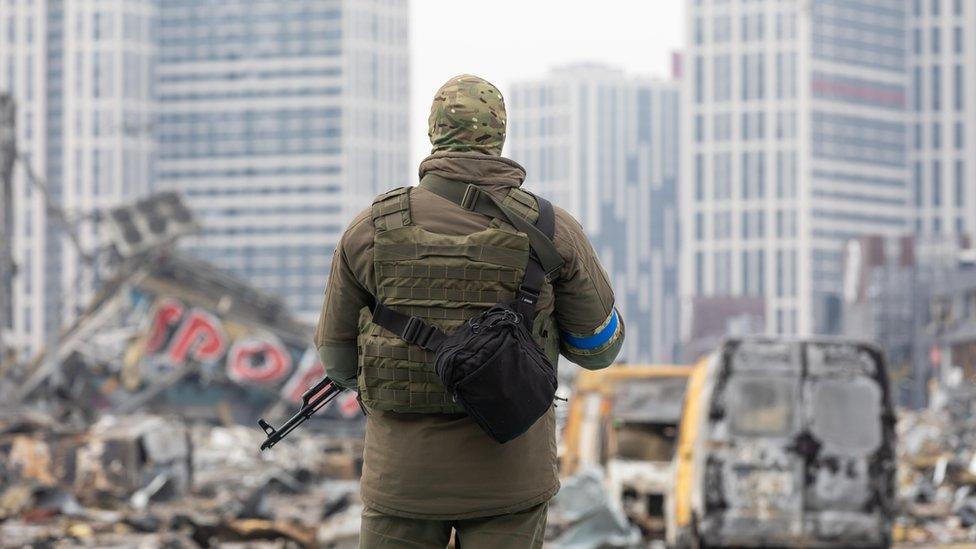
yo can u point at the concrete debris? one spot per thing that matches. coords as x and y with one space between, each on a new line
936 478
152 481
582 516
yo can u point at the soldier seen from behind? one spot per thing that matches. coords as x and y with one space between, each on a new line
466 252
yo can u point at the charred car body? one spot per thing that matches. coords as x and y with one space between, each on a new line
785 443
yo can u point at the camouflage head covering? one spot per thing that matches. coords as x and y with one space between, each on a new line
468 114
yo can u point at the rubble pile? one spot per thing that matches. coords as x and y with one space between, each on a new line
937 474
153 481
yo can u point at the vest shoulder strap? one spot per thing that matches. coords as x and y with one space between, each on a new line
522 203
391 210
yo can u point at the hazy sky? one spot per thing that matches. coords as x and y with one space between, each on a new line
508 40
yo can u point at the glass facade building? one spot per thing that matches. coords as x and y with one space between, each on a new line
279 120
799 145
79 74
604 146
942 117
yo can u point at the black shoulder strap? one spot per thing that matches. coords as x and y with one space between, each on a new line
415 331
473 198
535 272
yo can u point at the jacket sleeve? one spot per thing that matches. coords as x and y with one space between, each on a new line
345 296
590 328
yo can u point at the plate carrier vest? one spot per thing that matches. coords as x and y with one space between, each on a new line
443 280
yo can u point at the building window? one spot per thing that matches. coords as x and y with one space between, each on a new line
722 69
699 226
917 176
699 128
936 40
753 72
722 127
917 135
936 135
936 183
722 226
957 42
699 273
723 273
960 135
722 176
780 267
917 41
744 260
699 78
959 85
936 7
761 271
936 88
722 30
957 7
917 87
960 177
699 31
699 177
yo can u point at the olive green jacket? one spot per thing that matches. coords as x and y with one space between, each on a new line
444 466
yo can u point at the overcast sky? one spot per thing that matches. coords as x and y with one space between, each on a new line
508 40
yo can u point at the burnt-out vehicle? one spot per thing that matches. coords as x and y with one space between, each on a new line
785 443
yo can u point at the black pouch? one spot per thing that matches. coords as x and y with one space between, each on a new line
497 372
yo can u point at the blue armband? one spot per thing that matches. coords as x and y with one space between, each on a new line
600 337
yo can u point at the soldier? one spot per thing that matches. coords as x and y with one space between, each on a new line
428 468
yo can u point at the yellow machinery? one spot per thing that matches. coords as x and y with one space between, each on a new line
624 420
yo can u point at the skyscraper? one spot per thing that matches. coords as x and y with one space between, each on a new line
604 145
279 120
942 117
796 143
79 73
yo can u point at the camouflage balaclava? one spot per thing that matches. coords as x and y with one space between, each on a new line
468 114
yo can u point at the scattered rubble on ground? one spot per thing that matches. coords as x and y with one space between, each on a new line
582 515
152 481
937 472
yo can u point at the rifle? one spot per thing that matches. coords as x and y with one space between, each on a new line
312 401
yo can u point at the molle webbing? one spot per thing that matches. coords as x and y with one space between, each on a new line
400 251
488 297
392 209
522 203
485 274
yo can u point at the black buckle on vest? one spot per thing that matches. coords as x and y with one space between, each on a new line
418 332
528 295
470 198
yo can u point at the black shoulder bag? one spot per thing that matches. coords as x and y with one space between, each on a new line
492 365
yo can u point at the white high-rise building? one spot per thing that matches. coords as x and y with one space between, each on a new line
79 73
942 115
279 120
604 146
796 142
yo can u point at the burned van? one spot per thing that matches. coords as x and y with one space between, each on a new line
785 443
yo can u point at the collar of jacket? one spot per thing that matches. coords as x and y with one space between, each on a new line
473 167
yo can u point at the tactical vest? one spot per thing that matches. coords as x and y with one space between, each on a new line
443 280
